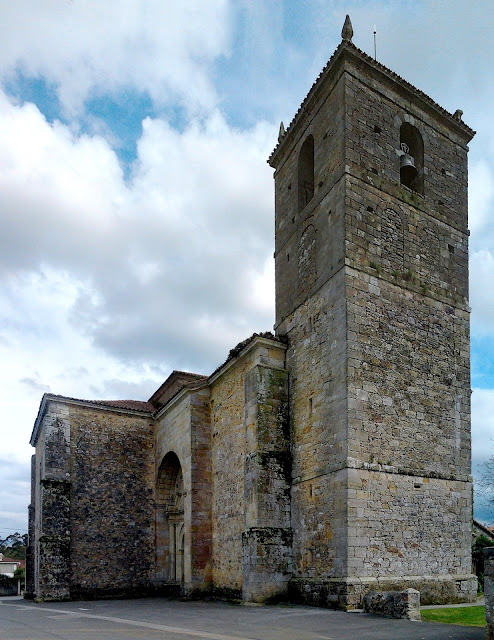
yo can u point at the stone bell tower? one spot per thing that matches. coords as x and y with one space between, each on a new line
372 294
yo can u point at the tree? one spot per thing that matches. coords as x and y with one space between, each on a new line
14 546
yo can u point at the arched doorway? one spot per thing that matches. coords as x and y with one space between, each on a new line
170 521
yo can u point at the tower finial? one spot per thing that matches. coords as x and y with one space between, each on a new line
347 31
282 131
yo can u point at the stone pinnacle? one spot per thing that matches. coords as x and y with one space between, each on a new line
347 31
282 131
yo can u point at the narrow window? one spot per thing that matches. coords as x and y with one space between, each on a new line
306 173
411 158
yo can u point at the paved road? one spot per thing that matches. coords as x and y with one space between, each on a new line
161 619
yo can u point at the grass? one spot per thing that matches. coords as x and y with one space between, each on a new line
468 616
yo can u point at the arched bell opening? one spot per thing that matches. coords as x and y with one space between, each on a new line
306 173
411 158
170 521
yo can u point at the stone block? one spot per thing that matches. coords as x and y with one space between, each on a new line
393 604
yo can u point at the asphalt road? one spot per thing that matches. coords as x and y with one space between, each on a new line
162 619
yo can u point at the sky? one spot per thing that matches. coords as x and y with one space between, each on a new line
136 204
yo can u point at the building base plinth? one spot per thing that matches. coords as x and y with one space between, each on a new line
348 593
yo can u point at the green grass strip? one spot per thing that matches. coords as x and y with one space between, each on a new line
468 616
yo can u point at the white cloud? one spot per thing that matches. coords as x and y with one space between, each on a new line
480 200
59 192
87 48
482 444
263 288
481 298
482 426
108 285
195 219
14 494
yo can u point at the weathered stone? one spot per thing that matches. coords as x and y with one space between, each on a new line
489 590
394 604
378 331
322 463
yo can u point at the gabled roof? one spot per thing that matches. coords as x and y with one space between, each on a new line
348 48
133 405
175 382
136 407
487 531
233 353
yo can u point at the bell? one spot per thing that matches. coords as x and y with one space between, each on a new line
408 170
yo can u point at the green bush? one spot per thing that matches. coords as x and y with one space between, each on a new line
6 581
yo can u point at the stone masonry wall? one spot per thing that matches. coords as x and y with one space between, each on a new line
489 591
30 551
409 383
202 492
378 349
184 428
112 491
408 345
228 455
54 542
229 449
408 317
374 111
400 525
316 362
172 433
404 243
303 262
267 536
50 527
319 521
311 311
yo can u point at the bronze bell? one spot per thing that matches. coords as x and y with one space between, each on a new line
408 170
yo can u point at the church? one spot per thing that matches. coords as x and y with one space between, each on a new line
326 459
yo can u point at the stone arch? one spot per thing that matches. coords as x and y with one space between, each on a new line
412 146
306 173
412 136
170 496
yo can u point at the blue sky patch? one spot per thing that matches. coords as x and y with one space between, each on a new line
38 91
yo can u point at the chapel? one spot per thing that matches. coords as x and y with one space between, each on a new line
330 457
